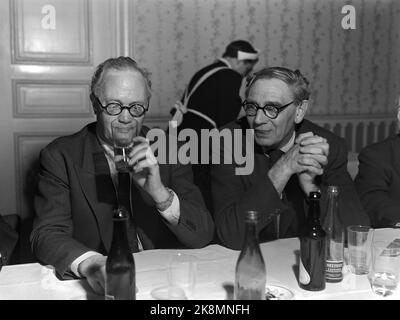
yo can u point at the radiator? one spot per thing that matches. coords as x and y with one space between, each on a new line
359 130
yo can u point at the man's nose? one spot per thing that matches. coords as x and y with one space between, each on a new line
260 117
125 116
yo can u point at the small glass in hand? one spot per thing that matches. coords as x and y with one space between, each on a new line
123 135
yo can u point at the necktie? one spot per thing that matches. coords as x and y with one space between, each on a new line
124 199
273 157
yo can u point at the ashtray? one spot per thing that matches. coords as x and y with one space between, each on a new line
165 293
273 292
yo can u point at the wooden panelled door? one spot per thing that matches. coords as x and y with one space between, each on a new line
48 52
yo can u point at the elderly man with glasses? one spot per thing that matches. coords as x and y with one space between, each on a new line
292 157
79 185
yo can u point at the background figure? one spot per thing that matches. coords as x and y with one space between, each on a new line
78 181
292 157
378 181
8 240
212 100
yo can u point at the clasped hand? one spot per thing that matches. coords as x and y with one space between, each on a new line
313 156
307 159
312 153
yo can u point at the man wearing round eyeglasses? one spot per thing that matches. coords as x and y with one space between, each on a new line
79 185
292 157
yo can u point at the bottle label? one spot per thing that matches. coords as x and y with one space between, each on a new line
333 270
304 277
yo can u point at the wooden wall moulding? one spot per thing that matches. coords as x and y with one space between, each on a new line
51 99
51 32
27 147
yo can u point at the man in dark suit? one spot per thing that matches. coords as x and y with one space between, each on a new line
8 240
78 182
292 157
212 99
378 181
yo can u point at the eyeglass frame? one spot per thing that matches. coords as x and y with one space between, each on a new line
122 107
257 107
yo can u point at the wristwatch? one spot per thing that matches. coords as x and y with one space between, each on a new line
164 205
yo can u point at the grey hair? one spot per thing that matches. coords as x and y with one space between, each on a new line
120 63
294 79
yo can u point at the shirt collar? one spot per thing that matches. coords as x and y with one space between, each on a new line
288 145
106 147
226 62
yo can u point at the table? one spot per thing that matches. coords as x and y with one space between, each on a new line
215 275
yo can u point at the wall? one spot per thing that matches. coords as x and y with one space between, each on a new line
352 72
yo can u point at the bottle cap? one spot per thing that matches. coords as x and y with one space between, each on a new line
120 213
252 215
314 195
333 189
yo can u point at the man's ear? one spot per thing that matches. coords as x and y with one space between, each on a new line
301 110
94 103
235 64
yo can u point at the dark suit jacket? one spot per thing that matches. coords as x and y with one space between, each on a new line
75 198
378 181
8 240
217 97
234 194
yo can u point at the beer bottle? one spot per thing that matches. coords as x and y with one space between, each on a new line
334 238
250 273
120 265
312 248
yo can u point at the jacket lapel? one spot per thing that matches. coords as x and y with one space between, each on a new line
96 183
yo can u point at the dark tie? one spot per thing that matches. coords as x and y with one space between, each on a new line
124 199
273 157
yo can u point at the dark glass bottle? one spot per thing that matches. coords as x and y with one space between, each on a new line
250 273
334 238
120 265
312 248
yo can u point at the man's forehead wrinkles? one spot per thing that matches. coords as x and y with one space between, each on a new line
271 89
266 96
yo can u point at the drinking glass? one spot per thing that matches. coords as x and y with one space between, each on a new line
359 243
123 135
384 274
182 269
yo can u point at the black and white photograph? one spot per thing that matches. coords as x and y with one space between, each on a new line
205 151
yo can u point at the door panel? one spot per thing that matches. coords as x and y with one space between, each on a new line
50 50
51 99
51 31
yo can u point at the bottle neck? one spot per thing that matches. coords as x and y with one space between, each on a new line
251 238
120 236
314 210
332 203
332 224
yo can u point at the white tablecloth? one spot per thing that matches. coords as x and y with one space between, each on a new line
215 275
